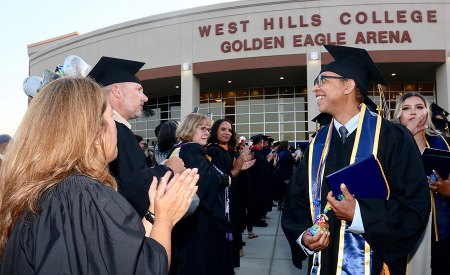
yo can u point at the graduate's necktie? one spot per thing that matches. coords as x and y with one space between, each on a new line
343 131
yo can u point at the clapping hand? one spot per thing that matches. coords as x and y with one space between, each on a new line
247 161
243 162
172 200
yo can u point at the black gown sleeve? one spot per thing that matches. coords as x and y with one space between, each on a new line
210 183
131 172
393 227
296 216
86 228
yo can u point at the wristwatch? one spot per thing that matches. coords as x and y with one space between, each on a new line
149 216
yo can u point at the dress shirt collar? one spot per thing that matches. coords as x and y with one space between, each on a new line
350 125
117 117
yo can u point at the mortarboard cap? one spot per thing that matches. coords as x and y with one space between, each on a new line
441 122
322 119
354 63
257 138
5 138
110 70
437 110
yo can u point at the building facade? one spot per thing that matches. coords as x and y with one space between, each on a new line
254 62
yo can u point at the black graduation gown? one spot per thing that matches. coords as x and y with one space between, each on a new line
132 174
273 182
260 191
84 228
393 227
440 250
285 165
200 244
223 160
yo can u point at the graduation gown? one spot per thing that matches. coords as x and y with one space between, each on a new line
260 197
223 159
440 242
285 165
129 169
200 244
84 228
393 227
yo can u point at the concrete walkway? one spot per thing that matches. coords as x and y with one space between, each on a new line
269 254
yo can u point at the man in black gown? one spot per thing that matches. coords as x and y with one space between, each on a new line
126 96
260 200
384 230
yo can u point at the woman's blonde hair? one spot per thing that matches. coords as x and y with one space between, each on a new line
187 128
54 140
430 129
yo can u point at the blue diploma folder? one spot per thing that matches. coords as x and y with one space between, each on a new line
438 160
364 179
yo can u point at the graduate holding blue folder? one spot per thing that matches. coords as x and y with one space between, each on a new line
366 235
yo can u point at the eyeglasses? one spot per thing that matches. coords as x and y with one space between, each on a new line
204 129
319 79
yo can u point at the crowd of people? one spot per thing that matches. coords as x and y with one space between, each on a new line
78 195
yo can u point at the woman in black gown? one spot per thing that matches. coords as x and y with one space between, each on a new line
60 211
202 241
221 149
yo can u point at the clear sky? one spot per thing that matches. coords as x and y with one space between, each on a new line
26 22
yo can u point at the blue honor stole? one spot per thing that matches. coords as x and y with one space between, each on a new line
355 255
440 207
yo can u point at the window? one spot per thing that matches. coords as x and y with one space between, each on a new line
274 111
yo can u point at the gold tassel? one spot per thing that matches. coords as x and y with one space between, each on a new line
383 110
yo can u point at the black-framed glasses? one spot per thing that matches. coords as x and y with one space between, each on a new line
319 79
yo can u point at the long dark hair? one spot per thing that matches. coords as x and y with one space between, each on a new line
215 128
167 137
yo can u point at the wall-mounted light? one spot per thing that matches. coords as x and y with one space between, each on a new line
281 77
229 81
314 55
393 74
185 66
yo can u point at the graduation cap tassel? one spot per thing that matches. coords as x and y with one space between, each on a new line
384 110
147 111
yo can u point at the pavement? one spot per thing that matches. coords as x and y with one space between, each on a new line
269 254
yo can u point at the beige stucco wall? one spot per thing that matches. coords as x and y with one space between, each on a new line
174 38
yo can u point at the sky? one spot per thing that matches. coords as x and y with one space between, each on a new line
27 22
